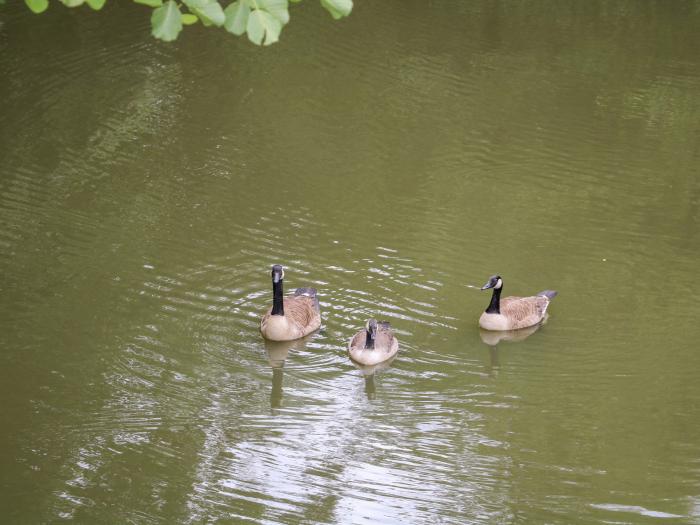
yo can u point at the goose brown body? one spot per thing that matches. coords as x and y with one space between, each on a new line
513 313
516 313
385 345
291 317
301 317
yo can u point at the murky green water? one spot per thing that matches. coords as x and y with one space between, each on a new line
390 160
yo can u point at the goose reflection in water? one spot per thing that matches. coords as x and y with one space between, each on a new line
492 339
277 352
368 372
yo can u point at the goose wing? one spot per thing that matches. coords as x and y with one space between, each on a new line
303 311
358 340
308 292
524 311
385 340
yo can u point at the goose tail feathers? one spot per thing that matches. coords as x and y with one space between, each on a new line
549 294
308 292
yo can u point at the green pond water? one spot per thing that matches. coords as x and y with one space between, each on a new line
391 160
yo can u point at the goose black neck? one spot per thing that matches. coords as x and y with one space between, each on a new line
495 304
277 298
369 340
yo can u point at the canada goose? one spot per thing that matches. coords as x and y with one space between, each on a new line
513 313
290 317
375 344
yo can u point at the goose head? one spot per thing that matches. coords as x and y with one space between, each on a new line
371 328
277 273
494 281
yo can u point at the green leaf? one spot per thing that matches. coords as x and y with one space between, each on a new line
37 6
337 8
96 4
166 22
262 24
211 13
208 11
188 19
150 3
277 8
237 17
72 3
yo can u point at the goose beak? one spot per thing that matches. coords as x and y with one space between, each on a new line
488 285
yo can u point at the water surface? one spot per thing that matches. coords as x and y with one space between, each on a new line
390 160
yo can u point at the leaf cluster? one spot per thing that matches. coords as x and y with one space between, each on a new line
261 20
